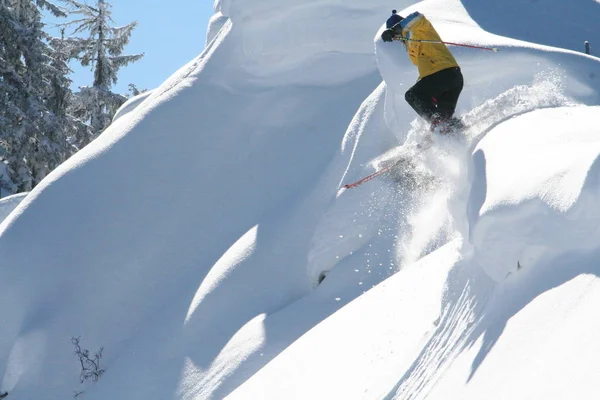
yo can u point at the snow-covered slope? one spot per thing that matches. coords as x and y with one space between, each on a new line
440 327
189 239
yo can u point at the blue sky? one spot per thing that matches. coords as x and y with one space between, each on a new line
170 33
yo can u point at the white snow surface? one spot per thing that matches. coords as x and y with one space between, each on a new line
9 203
191 239
131 104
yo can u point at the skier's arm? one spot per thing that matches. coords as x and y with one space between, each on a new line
409 28
395 33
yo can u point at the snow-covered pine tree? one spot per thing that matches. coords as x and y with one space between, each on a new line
134 90
103 50
61 96
9 87
59 93
31 135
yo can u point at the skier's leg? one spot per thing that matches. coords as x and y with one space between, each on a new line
446 101
420 97
427 94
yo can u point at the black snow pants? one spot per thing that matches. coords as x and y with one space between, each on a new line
436 95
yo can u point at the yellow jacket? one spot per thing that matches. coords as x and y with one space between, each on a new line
428 57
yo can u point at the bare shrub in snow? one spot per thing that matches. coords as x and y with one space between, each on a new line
90 364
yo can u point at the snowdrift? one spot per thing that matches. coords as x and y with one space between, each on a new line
189 240
535 188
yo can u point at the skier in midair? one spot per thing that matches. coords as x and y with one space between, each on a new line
440 82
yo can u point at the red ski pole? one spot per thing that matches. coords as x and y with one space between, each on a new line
373 175
419 150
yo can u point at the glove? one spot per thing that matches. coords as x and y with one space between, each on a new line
388 35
